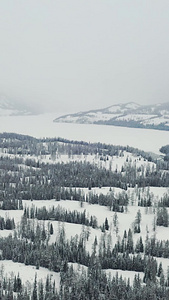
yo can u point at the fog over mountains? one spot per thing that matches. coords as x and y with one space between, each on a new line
10 107
130 114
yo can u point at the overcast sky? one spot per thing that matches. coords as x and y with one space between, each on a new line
76 55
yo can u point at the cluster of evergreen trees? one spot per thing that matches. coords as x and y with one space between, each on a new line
11 204
37 251
96 285
7 223
93 284
162 217
60 214
156 247
13 143
115 202
164 201
33 249
44 182
25 176
12 288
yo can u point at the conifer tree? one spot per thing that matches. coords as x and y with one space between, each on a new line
51 229
106 224
160 270
35 292
130 241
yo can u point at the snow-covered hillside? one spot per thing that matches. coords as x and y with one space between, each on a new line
114 220
128 115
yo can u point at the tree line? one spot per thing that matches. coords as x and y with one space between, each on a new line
60 214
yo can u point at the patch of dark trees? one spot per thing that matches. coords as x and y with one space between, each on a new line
7 223
14 143
114 202
133 124
60 214
92 284
10 204
42 183
41 180
157 248
39 253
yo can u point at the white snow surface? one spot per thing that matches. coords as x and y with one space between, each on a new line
114 108
118 108
7 112
125 221
132 105
27 273
157 120
98 116
43 126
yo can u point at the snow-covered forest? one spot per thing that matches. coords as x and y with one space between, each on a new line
82 220
84 150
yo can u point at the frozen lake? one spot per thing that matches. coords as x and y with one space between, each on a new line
43 126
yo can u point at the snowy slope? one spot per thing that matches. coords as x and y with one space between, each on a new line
128 115
125 220
27 273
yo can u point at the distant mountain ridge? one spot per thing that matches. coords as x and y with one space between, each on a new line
128 115
9 107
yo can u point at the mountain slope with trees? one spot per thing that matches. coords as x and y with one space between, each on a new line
128 115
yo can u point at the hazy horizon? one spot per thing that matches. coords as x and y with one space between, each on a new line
82 55
35 108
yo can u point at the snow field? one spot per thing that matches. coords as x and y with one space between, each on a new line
125 274
125 222
125 219
157 120
43 126
27 273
